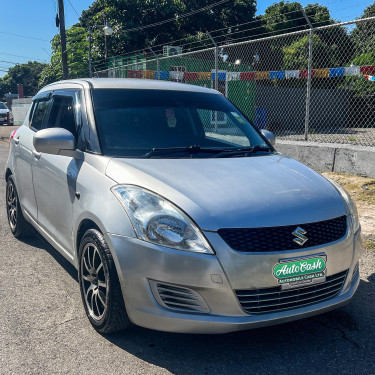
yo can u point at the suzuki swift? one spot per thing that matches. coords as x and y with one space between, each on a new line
177 212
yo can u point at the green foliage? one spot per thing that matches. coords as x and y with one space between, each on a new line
363 37
364 34
324 55
284 15
331 47
77 51
296 55
26 74
128 14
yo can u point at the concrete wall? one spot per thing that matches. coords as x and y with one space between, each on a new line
19 109
331 157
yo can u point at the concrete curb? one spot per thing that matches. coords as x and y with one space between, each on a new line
331 157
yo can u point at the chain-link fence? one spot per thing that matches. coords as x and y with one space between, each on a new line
316 84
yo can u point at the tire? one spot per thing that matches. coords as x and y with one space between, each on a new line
99 284
19 227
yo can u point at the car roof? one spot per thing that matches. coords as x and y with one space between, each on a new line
131 83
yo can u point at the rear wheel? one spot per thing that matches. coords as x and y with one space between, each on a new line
17 223
100 286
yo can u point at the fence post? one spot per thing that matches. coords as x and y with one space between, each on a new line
216 51
216 60
308 86
157 62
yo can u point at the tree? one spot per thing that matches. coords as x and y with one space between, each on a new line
129 14
77 50
125 15
26 74
332 46
364 34
363 101
296 55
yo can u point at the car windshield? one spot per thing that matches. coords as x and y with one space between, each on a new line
178 124
3 106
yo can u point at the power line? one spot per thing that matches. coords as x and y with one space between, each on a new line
178 17
239 31
73 8
225 28
24 57
221 35
23 36
8 62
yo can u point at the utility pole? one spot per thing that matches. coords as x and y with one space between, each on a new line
64 56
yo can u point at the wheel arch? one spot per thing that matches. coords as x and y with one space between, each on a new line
84 226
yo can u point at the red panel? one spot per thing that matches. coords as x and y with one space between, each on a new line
303 73
369 69
190 76
247 76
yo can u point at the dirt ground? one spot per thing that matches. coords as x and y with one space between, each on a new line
362 190
5 132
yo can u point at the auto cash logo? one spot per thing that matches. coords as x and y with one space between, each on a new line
300 271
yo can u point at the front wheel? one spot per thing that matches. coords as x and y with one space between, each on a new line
99 284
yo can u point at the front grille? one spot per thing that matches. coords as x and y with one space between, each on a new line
281 238
178 298
267 300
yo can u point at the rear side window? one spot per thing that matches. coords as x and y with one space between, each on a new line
39 113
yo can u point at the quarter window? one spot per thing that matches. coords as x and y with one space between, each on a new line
39 114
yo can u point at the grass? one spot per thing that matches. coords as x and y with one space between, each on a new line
369 245
352 139
353 184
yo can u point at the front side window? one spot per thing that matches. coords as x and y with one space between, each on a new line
131 123
62 114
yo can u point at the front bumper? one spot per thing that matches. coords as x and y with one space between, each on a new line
215 278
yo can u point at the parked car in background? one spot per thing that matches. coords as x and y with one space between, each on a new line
4 110
173 221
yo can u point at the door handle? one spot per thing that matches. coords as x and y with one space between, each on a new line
16 141
36 154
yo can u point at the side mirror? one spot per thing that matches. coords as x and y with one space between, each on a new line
269 136
55 141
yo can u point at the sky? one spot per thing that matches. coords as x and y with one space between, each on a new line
33 20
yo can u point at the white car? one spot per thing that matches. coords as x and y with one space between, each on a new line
4 110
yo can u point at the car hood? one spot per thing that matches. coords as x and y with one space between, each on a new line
4 111
257 191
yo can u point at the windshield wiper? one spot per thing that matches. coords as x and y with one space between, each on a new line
194 149
241 151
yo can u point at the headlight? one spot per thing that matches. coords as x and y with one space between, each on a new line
350 204
159 221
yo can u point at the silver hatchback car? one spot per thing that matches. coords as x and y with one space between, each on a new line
178 213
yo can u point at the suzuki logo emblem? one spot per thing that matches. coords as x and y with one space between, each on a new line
300 236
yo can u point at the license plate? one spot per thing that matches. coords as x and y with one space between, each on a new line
299 272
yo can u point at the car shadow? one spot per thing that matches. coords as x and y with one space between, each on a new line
36 240
332 342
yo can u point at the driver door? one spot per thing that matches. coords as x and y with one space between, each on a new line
54 176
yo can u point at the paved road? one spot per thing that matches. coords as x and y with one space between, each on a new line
43 329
